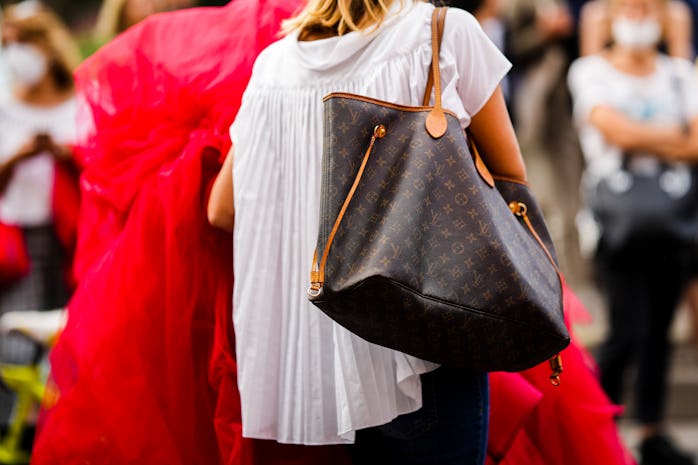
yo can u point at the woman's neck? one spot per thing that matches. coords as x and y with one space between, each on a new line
635 62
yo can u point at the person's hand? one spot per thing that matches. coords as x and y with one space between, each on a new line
40 143
31 148
683 147
45 143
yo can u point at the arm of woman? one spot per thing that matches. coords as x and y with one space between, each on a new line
495 139
221 206
678 30
668 142
593 27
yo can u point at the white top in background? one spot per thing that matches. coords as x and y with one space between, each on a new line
593 81
27 200
304 379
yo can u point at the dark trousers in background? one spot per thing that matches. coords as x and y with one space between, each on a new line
643 283
449 429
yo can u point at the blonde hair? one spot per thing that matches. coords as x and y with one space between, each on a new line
338 17
39 24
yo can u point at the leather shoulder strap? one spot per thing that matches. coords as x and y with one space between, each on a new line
436 123
439 16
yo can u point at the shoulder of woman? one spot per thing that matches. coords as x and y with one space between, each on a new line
460 23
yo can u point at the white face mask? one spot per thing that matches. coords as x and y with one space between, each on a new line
636 34
26 63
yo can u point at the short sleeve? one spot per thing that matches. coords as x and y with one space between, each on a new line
587 87
480 65
689 83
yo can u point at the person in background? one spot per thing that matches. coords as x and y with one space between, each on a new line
38 182
118 15
679 39
633 102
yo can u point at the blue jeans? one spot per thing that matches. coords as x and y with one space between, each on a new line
449 429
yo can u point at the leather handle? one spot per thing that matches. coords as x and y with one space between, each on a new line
435 52
436 122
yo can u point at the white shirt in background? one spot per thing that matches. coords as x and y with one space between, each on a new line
654 98
303 378
27 200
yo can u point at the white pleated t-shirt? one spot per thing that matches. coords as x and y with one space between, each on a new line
304 379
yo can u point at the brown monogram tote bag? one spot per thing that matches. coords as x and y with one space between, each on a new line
421 250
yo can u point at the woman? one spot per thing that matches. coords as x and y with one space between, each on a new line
637 113
302 378
37 178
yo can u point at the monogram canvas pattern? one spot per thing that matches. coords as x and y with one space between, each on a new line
428 258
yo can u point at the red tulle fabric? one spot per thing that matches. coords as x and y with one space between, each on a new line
145 369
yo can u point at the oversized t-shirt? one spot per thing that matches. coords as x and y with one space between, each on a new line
303 378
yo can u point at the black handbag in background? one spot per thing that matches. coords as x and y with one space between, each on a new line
421 250
632 206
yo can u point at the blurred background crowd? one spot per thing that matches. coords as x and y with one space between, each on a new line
542 38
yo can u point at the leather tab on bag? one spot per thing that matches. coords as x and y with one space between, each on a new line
436 123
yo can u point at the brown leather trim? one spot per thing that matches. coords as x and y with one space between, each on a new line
383 103
498 177
317 273
430 76
555 361
535 235
480 166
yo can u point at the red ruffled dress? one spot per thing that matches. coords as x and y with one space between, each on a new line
145 369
